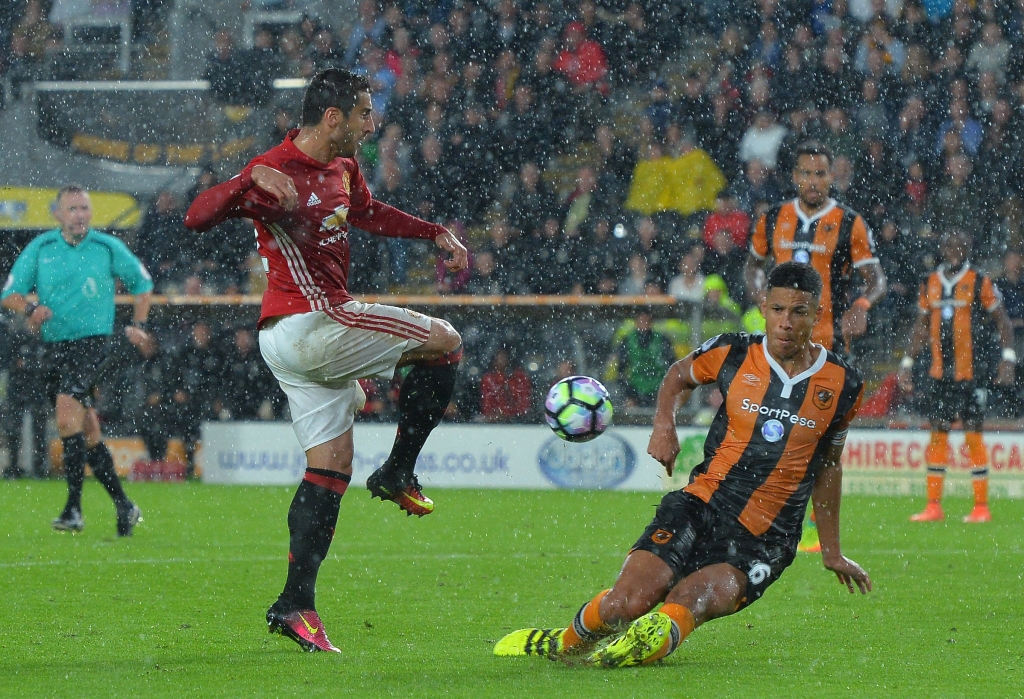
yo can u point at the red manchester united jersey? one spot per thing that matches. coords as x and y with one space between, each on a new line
769 438
305 251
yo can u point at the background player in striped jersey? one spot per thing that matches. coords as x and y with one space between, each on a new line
816 229
303 195
952 306
717 544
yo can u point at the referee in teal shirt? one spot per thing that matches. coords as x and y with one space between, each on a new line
72 270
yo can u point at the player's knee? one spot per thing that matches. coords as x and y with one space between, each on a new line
449 339
617 608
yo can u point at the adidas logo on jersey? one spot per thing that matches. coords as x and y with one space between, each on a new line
313 199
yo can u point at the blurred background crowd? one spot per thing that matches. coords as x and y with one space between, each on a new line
602 147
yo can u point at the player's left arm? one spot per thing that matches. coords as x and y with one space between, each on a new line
994 305
827 494
862 250
382 219
675 390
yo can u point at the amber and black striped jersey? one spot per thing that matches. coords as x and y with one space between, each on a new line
769 438
833 241
955 306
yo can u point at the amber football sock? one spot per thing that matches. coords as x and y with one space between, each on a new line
934 482
683 625
587 626
980 483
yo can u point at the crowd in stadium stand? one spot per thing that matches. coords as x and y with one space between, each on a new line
609 146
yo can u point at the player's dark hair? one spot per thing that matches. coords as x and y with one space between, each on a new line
333 87
795 275
69 189
813 148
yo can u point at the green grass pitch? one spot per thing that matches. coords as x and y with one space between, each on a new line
416 605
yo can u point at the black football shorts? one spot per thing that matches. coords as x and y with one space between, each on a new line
689 535
72 367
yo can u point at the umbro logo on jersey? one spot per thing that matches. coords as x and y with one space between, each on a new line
313 199
751 379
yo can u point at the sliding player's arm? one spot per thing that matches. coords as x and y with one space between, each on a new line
676 389
827 494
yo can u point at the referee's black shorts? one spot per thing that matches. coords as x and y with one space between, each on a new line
73 367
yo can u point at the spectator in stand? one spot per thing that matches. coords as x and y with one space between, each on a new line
149 397
659 108
757 189
505 390
656 250
249 391
532 201
368 27
636 280
604 257
158 241
991 53
727 217
955 203
582 60
26 395
762 140
323 52
688 285
30 39
227 71
962 124
723 257
643 356
196 371
903 271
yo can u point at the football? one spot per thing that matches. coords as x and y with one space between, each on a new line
578 408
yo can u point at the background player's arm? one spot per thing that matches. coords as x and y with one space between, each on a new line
676 388
1005 372
827 494
918 338
855 320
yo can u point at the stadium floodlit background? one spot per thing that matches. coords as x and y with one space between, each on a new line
603 161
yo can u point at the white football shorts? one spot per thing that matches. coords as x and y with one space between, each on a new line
318 356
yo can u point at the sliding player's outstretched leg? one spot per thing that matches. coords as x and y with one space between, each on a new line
425 394
578 638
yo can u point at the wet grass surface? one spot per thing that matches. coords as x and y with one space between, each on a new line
416 605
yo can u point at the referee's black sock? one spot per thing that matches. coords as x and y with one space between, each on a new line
312 518
103 468
74 469
426 391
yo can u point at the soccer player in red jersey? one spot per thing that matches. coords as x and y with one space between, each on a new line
303 195
716 545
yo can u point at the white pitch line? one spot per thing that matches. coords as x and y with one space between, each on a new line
444 556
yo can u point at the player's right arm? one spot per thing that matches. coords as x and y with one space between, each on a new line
21 281
918 338
259 192
675 390
753 271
